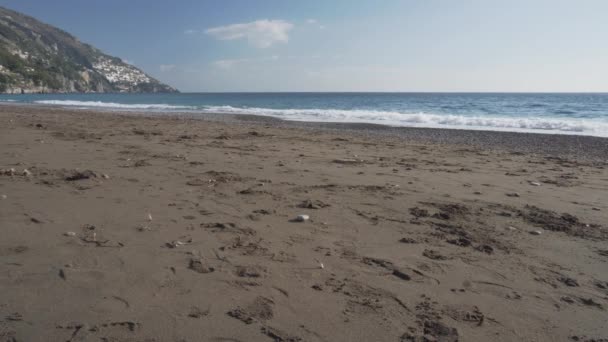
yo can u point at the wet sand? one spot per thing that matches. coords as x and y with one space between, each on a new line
147 228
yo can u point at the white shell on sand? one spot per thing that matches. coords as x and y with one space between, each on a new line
302 218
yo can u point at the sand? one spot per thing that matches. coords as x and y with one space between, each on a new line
139 228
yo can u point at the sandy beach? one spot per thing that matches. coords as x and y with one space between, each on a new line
126 227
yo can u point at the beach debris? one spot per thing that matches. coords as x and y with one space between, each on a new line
591 302
485 249
321 266
534 183
440 331
512 194
260 309
348 161
3 197
279 335
418 212
511 228
196 312
141 163
149 217
143 228
595 208
197 265
250 271
401 275
569 281
15 317
70 234
178 243
241 315
105 176
8 172
80 175
302 218
434 255
62 274
536 232
433 331
461 241
564 222
313 204
27 172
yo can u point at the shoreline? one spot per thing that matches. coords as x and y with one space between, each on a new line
579 147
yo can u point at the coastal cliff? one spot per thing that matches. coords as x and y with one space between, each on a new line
38 58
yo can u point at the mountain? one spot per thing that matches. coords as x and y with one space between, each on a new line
38 58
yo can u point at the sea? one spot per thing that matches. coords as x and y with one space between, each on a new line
550 113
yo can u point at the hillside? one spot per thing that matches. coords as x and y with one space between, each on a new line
38 58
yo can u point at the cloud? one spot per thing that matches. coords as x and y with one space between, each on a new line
228 63
167 67
316 23
259 33
191 31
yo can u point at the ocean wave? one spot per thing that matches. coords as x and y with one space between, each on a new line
502 123
99 104
595 127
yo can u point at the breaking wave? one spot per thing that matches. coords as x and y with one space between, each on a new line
580 126
502 123
99 104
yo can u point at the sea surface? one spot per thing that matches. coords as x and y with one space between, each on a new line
581 114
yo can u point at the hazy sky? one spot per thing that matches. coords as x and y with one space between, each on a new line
331 45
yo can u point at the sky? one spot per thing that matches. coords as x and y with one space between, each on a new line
347 45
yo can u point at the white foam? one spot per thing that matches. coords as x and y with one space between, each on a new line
595 127
578 126
99 104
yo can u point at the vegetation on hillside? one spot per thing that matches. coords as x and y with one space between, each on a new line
36 57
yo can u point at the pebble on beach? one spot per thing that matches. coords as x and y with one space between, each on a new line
302 218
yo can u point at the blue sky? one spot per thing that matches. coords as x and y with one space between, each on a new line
425 45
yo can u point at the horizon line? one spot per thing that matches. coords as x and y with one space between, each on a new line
393 92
